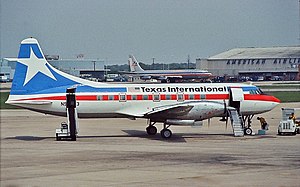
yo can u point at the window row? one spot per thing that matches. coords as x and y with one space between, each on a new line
156 97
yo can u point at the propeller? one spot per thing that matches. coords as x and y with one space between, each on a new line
208 120
227 114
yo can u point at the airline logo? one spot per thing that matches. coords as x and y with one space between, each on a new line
34 75
31 56
185 89
134 64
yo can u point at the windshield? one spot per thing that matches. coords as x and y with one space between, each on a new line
256 90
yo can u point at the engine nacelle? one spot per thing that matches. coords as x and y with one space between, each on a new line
206 110
180 122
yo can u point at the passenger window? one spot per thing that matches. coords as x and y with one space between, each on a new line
122 97
156 97
168 97
110 97
180 97
191 97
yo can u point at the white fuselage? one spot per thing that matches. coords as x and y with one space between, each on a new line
139 99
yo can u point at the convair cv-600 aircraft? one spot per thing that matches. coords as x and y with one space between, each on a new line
40 87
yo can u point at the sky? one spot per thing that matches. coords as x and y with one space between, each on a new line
167 30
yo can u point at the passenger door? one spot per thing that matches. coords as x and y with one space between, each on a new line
236 96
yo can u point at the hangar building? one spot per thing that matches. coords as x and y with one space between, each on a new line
265 63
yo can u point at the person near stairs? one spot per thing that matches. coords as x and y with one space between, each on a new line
263 122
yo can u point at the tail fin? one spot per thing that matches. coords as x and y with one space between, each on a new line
134 64
33 74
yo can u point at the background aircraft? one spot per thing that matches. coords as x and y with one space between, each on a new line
40 87
165 75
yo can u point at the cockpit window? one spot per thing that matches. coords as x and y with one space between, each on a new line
255 91
260 91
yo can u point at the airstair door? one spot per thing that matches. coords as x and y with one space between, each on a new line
236 96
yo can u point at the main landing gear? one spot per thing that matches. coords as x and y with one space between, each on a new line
165 132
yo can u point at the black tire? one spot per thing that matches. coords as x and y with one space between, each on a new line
166 133
248 131
151 130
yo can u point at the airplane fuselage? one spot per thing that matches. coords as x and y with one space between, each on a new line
127 100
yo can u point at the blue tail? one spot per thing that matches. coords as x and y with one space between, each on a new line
34 75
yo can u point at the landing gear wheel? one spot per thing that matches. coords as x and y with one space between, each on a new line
151 130
166 133
248 131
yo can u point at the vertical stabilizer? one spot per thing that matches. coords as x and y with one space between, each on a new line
134 64
33 73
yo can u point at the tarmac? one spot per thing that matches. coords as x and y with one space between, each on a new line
118 152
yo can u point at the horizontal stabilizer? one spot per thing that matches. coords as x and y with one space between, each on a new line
30 102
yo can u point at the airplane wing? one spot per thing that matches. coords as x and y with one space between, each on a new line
178 110
195 109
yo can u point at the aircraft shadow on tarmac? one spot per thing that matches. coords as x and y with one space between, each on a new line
178 137
27 138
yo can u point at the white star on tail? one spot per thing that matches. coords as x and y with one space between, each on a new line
35 65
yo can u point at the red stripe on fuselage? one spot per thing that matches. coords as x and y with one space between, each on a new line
261 98
217 96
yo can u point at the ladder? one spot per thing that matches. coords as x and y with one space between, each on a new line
236 122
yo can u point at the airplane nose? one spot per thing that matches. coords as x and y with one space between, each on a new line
275 102
275 99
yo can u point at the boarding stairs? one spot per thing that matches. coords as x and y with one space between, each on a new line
236 122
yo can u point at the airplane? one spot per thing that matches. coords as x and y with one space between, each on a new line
165 75
40 87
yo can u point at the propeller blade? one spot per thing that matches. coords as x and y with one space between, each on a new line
226 122
225 107
227 114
